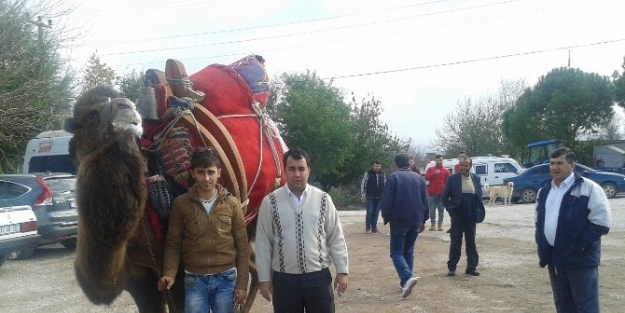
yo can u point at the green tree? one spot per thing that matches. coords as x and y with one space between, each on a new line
35 82
98 73
311 115
618 86
475 126
564 104
130 84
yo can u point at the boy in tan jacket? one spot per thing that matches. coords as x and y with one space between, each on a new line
207 229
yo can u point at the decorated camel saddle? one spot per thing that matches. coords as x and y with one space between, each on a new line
221 107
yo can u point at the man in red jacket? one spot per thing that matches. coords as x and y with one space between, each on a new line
437 177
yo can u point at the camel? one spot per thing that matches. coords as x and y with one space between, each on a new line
119 245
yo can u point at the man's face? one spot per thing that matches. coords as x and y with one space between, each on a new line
560 169
206 178
439 161
377 167
464 166
297 172
462 156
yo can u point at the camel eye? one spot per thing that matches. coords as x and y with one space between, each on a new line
91 117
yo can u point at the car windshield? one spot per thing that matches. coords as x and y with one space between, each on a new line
61 184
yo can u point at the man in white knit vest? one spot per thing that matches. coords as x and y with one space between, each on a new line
298 237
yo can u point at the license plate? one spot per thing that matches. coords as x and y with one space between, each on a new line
9 229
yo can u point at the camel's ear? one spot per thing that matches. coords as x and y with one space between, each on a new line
70 125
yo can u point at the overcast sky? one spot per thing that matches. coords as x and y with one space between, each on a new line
419 57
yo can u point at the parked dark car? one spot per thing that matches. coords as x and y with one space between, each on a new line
526 185
51 197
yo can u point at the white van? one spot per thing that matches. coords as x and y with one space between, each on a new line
49 152
491 169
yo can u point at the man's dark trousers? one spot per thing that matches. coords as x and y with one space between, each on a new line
459 226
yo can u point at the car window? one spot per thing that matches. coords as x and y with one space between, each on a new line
51 163
481 169
505 168
10 190
61 184
539 170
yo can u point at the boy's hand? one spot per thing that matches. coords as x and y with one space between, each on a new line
165 283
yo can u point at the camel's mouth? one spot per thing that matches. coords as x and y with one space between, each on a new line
133 126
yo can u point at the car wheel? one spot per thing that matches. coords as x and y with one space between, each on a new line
3 258
528 195
22 254
69 243
609 189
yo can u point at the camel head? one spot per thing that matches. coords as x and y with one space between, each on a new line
100 116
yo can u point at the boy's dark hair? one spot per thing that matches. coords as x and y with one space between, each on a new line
296 154
376 162
402 160
569 154
204 157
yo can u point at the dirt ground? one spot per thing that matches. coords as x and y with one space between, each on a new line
511 280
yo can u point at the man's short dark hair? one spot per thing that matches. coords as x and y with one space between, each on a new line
402 160
569 154
203 158
376 162
296 154
438 156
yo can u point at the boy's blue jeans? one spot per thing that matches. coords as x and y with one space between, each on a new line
210 292
373 212
403 240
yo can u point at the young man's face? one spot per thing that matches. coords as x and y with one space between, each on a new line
297 172
377 167
560 168
439 161
206 178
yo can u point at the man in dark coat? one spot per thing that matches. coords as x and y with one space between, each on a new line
462 197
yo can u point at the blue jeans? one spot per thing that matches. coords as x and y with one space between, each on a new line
575 290
403 240
210 292
435 202
373 212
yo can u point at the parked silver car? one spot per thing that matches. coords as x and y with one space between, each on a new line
51 197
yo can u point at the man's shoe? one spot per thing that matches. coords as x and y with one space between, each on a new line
440 227
407 289
472 273
368 231
375 231
433 227
451 273
449 231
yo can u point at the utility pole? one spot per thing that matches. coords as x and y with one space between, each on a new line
40 25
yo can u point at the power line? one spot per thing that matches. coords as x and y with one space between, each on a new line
475 60
276 24
367 36
314 31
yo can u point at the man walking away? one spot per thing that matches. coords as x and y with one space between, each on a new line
404 205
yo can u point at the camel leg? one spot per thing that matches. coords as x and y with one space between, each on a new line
142 286
253 289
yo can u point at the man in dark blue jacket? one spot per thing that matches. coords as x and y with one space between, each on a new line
462 197
405 206
572 214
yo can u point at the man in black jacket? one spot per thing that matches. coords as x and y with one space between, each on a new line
462 197
371 189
